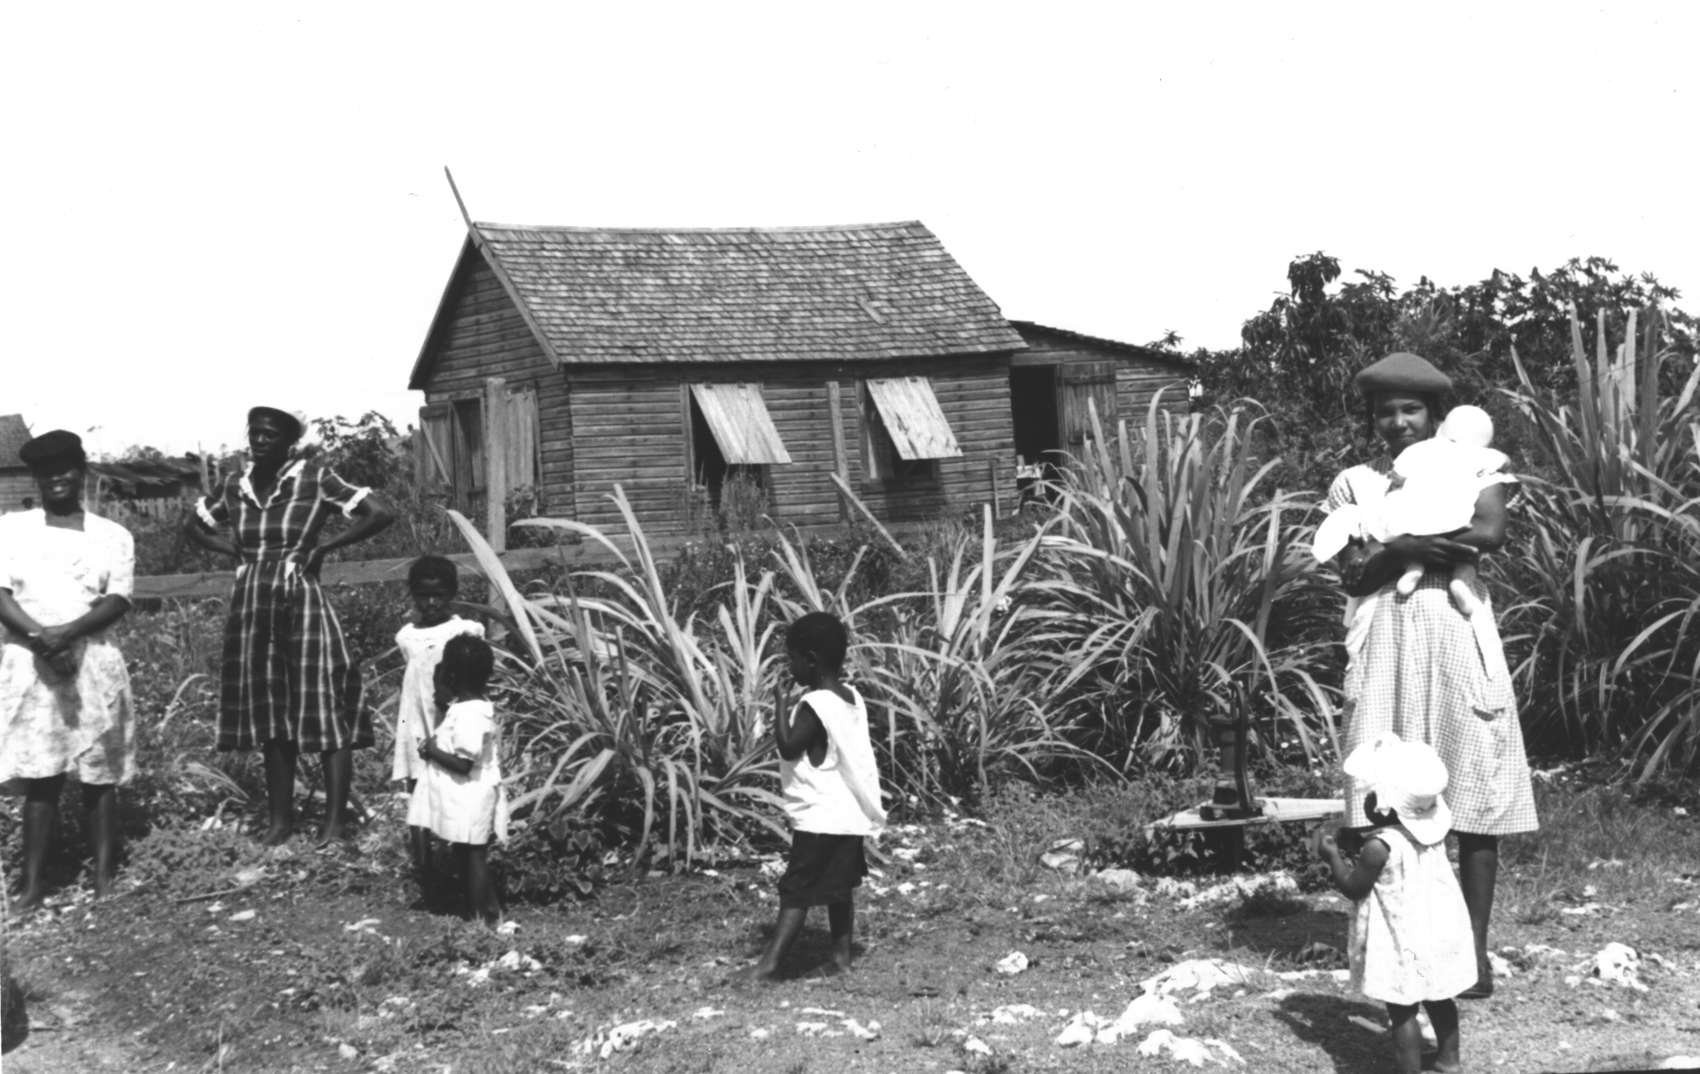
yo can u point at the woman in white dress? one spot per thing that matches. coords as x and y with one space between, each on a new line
65 707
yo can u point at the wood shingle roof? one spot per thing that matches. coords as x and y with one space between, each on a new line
867 291
14 434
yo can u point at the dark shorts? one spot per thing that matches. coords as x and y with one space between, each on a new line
822 870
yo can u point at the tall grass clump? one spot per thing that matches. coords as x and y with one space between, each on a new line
625 719
1176 589
956 701
1604 582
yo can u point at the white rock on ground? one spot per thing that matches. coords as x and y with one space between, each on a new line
1618 964
1012 963
1117 879
1680 1062
1189 1049
1200 976
1064 856
1279 883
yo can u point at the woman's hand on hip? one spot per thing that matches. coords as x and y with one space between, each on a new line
1432 551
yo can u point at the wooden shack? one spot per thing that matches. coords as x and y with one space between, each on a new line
683 364
16 484
1059 372
159 488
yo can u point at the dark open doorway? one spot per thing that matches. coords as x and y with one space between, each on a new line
1033 407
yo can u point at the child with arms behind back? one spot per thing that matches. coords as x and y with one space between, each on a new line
1410 938
459 797
432 582
830 781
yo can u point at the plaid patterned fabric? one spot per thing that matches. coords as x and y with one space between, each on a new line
287 673
1422 676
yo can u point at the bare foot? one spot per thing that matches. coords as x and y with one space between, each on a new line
835 967
752 975
277 835
28 902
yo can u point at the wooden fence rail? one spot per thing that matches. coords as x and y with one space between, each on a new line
363 572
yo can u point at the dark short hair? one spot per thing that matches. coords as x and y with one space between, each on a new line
468 661
820 635
436 568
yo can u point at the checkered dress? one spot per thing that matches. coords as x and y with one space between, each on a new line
1421 675
287 673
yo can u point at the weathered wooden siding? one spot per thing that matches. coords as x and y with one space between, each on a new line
14 486
485 336
1137 378
632 427
630 431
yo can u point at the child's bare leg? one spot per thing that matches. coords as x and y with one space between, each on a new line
1443 1016
841 916
1407 1038
100 803
339 777
785 933
41 808
480 892
280 791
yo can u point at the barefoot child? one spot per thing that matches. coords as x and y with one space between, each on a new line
432 581
831 785
459 796
1410 938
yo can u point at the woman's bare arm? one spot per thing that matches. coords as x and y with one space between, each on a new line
1365 568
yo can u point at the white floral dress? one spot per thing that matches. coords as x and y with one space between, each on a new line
470 808
416 711
83 725
1410 938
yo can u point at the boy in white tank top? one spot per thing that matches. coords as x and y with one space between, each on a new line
830 781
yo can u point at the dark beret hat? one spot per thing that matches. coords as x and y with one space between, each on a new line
1403 372
58 446
288 419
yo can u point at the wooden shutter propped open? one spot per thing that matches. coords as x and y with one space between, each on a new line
434 447
742 428
913 419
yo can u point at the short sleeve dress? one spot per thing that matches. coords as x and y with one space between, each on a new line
287 672
81 726
470 808
1410 939
416 711
1427 673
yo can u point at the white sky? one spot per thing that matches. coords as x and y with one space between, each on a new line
219 205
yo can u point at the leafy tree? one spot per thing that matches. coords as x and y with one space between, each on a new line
1298 357
362 452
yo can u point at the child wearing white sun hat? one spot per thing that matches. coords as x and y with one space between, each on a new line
1410 939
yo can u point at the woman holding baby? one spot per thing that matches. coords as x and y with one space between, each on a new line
1424 658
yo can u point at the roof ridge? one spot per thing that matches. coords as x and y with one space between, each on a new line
746 230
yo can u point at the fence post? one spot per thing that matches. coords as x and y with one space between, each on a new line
496 461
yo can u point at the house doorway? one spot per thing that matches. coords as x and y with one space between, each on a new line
1036 420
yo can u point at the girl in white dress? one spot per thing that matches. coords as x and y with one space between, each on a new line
65 707
459 796
1410 939
433 582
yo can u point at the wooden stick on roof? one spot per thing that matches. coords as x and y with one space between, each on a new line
464 215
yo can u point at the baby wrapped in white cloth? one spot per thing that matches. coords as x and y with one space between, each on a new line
1433 490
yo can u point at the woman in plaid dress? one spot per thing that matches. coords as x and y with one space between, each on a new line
288 682
1425 671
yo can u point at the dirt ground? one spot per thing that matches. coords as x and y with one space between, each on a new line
335 963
